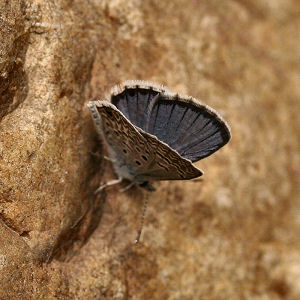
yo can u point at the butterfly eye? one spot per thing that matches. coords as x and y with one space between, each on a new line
137 162
125 151
144 157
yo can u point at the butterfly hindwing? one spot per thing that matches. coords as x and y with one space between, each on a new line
128 147
145 157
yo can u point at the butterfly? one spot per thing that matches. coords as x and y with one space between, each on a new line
154 134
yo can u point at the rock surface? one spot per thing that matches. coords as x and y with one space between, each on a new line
233 236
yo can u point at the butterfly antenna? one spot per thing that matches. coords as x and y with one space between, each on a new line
142 219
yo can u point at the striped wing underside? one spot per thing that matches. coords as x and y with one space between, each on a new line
145 156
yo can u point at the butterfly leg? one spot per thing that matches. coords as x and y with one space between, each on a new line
109 159
130 185
112 182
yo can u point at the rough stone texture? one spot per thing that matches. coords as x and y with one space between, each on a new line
233 236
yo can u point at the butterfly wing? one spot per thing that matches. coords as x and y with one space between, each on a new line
193 129
137 155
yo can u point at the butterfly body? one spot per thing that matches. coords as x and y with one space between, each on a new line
152 134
